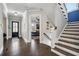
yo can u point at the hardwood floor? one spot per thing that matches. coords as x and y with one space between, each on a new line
17 47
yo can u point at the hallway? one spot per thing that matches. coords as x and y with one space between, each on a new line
17 47
44 28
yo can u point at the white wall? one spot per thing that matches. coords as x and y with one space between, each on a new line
1 28
55 18
46 14
50 17
5 18
44 40
4 24
24 27
49 12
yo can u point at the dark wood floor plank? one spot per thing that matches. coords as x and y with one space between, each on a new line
17 47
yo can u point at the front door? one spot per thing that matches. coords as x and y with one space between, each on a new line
15 29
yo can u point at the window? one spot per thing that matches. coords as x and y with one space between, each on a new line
71 7
15 27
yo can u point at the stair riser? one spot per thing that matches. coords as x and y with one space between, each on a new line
69 37
67 50
71 34
71 31
72 28
68 47
69 40
62 51
68 44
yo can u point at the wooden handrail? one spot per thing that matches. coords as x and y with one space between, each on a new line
47 36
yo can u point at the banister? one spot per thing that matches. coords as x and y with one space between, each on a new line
65 6
63 9
47 36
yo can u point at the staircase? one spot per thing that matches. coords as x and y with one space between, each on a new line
68 44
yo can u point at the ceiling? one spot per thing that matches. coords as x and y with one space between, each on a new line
47 8
21 7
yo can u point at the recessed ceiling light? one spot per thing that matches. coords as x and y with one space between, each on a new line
15 13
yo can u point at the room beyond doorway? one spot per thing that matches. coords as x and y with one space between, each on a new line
35 27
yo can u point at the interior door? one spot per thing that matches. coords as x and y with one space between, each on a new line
15 29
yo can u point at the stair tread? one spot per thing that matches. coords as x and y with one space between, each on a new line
63 52
73 25
57 52
68 47
71 31
69 42
67 50
72 28
77 34
70 37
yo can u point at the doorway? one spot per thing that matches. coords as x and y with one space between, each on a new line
35 28
15 29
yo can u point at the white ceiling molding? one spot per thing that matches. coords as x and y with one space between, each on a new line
5 6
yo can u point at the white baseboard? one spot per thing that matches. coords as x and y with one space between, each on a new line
1 50
9 37
25 40
48 44
20 35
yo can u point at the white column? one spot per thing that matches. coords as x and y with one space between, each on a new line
1 28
